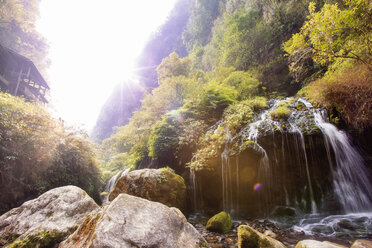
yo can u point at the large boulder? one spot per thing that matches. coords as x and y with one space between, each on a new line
131 221
362 243
220 222
46 220
309 243
249 237
160 185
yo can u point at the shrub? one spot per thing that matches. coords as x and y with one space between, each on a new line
349 92
38 153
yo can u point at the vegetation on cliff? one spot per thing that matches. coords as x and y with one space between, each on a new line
38 153
239 54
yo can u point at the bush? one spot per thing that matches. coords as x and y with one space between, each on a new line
349 92
38 153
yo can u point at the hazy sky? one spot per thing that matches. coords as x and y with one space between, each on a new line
93 44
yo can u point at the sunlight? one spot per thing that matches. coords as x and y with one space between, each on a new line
93 46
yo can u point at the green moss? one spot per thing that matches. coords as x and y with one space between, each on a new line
248 238
280 113
220 222
334 119
162 178
41 240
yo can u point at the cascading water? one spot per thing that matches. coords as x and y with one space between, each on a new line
195 193
301 162
111 183
350 176
227 201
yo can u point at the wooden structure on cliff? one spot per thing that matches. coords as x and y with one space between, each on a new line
20 77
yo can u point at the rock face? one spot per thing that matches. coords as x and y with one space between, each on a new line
131 221
221 223
316 244
160 185
361 243
46 220
248 237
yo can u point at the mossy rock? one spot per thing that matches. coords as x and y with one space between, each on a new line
250 238
220 222
160 185
41 240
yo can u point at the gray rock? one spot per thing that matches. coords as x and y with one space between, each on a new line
362 243
308 243
131 221
46 220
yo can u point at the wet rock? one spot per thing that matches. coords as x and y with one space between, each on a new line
131 221
315 244
283 211
46 220
220 222
161 185
270 234
362 243
248 237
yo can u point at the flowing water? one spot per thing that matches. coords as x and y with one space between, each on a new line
305 163
111 183
350 176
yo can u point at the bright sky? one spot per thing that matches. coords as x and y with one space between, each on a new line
93 45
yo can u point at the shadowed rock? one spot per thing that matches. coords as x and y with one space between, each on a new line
46 220
131 221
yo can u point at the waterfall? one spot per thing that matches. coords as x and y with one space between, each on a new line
111 183
227 202
350 176
196 200
297 130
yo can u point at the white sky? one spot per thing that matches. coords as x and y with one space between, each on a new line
93 44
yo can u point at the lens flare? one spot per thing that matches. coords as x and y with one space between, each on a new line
257 186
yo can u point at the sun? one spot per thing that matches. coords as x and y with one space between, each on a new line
93 46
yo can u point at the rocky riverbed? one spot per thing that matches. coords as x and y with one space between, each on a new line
288 237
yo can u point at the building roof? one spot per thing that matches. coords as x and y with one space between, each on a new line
9 58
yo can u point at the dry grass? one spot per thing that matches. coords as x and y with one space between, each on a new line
350 92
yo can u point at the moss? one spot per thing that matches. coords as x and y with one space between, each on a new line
220 222
280 113
162 178
334 119
301 106
41 240
250 238
247 239
247 144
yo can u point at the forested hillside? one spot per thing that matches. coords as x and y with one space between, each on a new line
18 31
126 98
240 53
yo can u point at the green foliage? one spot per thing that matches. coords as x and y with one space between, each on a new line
164 137
241 113
38 153
348 92
18 31
209 148
282 112
173 66
200 23
333 33
244 83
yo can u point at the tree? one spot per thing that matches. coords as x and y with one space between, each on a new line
18 31
333 33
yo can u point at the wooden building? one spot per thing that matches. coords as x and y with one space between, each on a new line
20 77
